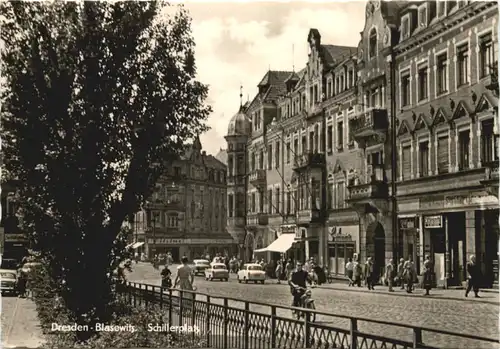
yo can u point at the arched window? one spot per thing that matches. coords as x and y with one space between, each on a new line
373 43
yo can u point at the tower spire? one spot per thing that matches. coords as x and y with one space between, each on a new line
241 96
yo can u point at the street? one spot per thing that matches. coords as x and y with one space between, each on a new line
462 316
19 323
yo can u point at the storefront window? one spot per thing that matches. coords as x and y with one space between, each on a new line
332 266
340 259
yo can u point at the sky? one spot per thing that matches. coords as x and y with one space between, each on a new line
236 43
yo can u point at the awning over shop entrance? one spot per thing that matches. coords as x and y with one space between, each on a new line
137 245
282 244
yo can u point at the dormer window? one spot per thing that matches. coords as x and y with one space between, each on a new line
441 9
422 16
373 43
405 28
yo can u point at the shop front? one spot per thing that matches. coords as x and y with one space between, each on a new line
308 244
410 240
192 248
342 244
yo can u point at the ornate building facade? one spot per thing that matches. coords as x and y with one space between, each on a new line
186 214
387 150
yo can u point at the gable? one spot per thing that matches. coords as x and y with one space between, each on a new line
403 128
460 111
440 118
338 167
483 104
420 123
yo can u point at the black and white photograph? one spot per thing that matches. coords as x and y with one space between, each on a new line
249 174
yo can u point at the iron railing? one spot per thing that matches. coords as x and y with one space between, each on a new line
225 322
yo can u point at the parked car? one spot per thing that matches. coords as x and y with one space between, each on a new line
8 281
217 271
251 272
200 265
28 267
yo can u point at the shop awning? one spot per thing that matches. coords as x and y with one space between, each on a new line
137 245
282 244
130 245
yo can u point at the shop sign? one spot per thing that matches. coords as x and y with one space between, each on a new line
285 229
165 241
469 199
432 222
408 223
336 235
427 203
15 238
342 238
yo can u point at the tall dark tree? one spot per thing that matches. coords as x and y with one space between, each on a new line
98 96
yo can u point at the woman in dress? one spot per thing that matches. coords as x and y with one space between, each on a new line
428 275
184 280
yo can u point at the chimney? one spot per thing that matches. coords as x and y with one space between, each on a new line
204 153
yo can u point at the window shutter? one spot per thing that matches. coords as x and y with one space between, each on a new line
406 163
442 155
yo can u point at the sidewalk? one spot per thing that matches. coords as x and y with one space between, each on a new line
487 296
20 325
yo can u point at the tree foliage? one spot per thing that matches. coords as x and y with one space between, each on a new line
97 98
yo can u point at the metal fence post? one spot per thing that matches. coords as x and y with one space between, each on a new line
193 313
135 295
273 326
226 322
417 337
146 295
307 329
169 307
247 326
161 297
207 324
181 306
354 333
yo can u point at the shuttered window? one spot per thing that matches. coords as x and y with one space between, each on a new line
406 163
442 155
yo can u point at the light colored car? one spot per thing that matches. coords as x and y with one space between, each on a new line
251 272
8 281
200 265
28 267
217 271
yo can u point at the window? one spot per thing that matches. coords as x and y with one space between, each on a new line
406 170
304 144
329 196
350 74
172 221
373 43
441 8
270 157
340 135
463 151
423 160
261 160
288 152
288 203
270 201
463 64
422 16
422 83
295 146
340 195
442 74
261 201
329 136
230 205
405 89
278 203
405 28
252 164
312 146
489 142
252 202
277 155
486 55
442 154
240 204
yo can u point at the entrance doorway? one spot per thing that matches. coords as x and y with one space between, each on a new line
379 245
491 248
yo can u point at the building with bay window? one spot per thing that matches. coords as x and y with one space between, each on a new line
186 214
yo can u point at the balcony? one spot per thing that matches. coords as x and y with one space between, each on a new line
491 177
257 178
314 110
309 160
369 123
309 216
257 219
376 188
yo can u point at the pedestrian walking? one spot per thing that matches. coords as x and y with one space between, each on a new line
409 274
184 280
428 275
279 271
389 274
349 268
370 273
401 271
473 277
289 268
357 273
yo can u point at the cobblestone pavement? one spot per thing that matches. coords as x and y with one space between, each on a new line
20 325
457 315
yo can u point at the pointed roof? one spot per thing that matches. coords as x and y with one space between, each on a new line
404 128
461 110
222 156
292 77
440 117
421 122
331 53
484 103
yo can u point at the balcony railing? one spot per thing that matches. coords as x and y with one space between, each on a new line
309 216
369 122
255 219
492 170
372 190
257 178
309 160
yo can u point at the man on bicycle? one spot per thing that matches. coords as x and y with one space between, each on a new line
298 283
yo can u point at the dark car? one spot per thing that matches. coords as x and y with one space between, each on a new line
200 265
8 280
